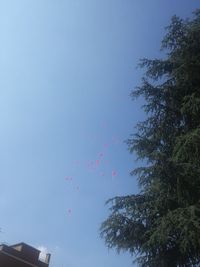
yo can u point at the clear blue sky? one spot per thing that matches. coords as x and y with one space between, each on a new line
66 71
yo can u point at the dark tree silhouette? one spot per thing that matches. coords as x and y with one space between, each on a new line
161 224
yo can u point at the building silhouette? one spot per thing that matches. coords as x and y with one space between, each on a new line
21 255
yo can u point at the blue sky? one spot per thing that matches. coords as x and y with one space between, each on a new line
67 68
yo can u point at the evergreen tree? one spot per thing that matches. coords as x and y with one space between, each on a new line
161 224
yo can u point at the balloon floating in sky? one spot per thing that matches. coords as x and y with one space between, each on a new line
99 161
114 173
69 211
68 178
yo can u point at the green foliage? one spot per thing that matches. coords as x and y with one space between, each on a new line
161 225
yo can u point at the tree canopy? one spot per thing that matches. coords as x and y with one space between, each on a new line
161 224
